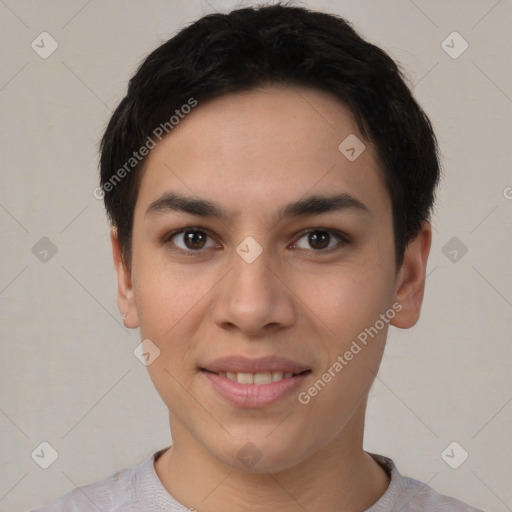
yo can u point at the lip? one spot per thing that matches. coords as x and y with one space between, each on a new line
254 395
241 364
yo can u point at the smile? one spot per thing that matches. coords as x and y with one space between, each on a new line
257 378
255 390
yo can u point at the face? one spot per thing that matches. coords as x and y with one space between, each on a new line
261 257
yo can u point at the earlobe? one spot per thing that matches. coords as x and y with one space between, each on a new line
410 284
125 298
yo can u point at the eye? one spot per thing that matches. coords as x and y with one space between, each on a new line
320 240
191 240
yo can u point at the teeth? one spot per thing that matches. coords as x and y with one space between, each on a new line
245 378
256 378
262 378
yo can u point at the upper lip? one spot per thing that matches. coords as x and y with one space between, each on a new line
242 364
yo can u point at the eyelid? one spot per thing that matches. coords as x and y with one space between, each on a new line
168 236
343 239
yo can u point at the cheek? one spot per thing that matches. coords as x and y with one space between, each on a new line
346 301
347 306
347 309
168 302
165 294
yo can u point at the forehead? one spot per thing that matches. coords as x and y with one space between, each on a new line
254 151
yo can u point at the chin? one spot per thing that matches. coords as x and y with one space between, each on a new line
258 454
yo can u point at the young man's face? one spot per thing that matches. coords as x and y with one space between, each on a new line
212 303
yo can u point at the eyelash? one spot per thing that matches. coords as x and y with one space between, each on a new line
342 237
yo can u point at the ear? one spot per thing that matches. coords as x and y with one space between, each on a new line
125 301
410 284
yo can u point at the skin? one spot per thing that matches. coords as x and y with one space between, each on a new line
253 153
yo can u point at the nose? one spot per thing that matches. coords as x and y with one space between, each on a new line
254 298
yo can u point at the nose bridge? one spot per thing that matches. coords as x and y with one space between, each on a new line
252 296
252 258
251 273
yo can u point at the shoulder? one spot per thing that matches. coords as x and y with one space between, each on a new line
419 496
410 495
112 494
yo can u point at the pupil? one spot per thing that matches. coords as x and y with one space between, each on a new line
194 239
319 239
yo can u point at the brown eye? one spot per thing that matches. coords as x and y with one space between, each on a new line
320 240
191 240
194 239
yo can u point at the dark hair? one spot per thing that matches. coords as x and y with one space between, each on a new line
251 47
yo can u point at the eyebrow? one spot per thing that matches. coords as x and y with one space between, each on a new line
310 205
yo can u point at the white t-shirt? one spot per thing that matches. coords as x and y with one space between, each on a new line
138 489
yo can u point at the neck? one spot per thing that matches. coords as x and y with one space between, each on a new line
340 476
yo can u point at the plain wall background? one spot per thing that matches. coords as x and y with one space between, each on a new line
68 374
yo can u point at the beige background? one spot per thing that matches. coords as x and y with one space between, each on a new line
69 376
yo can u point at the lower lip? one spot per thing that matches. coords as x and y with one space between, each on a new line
254 395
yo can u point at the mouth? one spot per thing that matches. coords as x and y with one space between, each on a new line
253 383
260 378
